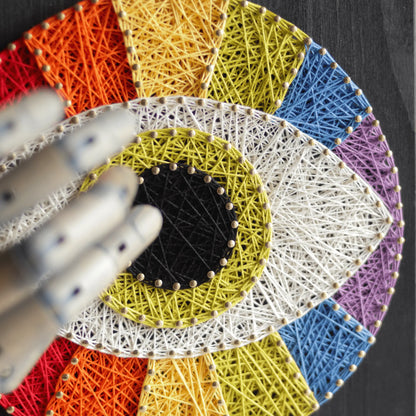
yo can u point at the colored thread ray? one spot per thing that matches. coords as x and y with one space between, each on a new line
259 58
18 73
196 238
322 101
182 387
328 345
33 394
161 308
81 53
263 378
367 295
181 39
324 219
98 384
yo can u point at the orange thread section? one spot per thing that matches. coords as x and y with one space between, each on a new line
172 46
98 384
81 53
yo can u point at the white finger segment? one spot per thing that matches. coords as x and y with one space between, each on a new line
64 161
51 249
87 219
27 328
23 121
14 285
101 138
73 289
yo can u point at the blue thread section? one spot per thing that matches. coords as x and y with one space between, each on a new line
324 346
319 102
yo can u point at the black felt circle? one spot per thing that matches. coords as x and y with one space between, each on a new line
197 234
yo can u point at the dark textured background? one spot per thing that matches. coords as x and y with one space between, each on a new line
373 41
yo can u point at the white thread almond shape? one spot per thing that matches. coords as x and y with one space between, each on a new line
326 221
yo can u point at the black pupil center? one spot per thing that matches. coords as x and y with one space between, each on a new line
197 237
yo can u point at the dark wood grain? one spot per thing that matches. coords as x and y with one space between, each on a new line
373 41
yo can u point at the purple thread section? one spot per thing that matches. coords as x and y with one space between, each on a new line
326 344
367 294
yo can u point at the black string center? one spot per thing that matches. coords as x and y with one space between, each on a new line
197 237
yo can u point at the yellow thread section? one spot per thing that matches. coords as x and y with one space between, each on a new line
165 308
182 387
262 378
260 56
172 45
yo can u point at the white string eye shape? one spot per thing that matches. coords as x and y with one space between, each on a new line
322 221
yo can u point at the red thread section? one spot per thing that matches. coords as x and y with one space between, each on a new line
19 73
81 53
94 383
32 396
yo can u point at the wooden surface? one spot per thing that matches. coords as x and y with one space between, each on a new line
373 41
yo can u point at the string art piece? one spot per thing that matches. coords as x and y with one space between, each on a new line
181 47
263 378
306 185
328 344
322 241
33 394
258 59
18 74
197 236
158 307
182 387
317 62
367 295
98 384
62 47
323 101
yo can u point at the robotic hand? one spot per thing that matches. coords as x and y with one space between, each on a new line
49 278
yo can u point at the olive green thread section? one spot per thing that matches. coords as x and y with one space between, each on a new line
263 378
165 308
260 56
